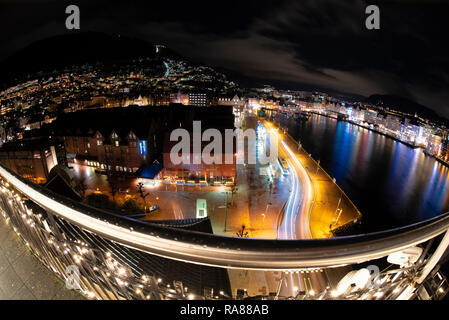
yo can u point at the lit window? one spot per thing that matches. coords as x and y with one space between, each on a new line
143 147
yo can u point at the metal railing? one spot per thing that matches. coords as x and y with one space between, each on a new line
121 258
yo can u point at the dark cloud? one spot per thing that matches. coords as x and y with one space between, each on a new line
311 43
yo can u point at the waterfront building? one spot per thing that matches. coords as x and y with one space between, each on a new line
393 123
369 116
433 145
444 152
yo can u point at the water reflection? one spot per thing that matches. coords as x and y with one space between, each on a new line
391 183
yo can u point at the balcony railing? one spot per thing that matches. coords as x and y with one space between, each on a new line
121 258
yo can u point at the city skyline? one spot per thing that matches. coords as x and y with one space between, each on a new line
310 47
242 153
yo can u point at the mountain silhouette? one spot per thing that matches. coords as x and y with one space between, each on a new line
404 105
76 49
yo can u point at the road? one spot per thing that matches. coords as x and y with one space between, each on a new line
296 220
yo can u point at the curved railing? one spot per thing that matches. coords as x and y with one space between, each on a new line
231 252
70 224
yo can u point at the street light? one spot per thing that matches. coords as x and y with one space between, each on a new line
226 208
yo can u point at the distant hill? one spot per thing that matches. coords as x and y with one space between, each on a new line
403 105
75 49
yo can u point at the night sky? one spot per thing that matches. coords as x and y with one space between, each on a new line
320 44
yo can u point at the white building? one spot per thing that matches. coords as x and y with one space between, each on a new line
198 99
393 123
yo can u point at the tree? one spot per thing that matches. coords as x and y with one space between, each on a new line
112 180
130 206
141 190
113 185
100 201
82 187
242 233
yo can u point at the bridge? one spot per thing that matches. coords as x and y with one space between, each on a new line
122 258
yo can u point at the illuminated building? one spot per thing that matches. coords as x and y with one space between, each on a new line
33 159
370 116
393 123
127 139
198 99
219 118
433 145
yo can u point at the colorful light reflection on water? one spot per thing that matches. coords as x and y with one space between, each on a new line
392 184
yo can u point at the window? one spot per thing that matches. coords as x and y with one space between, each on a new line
132 139
143 147
115 139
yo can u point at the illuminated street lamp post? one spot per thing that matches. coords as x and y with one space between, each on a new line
338 211
226 210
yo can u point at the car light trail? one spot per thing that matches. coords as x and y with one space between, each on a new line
300 201
302 204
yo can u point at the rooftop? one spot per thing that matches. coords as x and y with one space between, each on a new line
142 121
28 144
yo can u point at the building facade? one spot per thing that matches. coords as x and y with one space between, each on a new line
33 159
